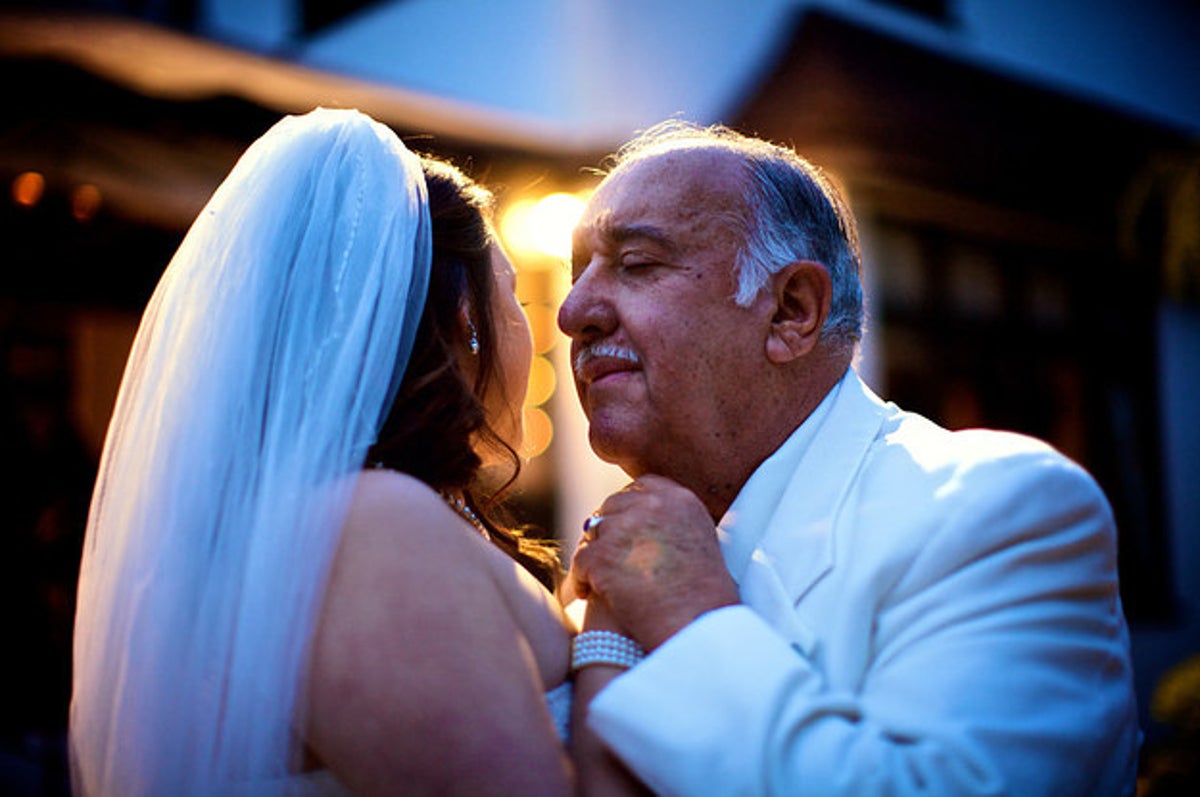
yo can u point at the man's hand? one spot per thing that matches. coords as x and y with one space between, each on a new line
653 561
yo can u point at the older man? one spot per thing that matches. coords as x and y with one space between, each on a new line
836 596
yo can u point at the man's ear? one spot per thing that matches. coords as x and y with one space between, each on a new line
802 292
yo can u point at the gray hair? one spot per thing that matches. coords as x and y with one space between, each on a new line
793 212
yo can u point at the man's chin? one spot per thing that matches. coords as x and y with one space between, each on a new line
615 450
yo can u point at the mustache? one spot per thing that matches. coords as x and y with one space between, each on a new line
606 350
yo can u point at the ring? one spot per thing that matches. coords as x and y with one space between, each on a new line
591 523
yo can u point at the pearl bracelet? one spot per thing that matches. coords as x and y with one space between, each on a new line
604 647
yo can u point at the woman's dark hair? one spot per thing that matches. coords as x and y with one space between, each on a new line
438 415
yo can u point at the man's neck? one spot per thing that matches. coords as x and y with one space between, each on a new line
716 477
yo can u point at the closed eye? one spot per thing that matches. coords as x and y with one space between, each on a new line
640 263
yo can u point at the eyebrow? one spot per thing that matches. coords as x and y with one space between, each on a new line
618 234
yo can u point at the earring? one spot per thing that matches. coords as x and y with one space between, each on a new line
473 339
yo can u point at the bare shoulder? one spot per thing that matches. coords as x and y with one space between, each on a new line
397 499
395 517
402 552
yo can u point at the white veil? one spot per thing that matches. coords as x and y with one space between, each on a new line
264 364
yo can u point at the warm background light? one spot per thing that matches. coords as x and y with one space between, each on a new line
28 188
543 323
541 382
539 431
551 222
541 226
515 227
536 231
85 202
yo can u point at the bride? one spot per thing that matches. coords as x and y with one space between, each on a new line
291 581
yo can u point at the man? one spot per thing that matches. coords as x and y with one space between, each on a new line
836 596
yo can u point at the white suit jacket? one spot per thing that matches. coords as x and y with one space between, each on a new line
923 612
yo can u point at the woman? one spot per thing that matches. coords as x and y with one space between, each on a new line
288 585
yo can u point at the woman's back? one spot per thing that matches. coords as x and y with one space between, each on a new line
433 654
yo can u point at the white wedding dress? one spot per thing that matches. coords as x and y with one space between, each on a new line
558 700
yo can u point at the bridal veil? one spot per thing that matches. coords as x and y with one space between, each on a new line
264 365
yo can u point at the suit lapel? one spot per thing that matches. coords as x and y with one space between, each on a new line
797 548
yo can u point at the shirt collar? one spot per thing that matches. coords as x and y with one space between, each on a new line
741 528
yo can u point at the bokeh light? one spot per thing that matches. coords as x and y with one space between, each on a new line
85 202
543 323
515 227
28 188
542 382
539 431
542 226
536 231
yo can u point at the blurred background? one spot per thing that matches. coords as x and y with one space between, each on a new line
1026 174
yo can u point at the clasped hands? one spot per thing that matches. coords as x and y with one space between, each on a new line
651 565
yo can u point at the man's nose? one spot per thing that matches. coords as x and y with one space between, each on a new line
570 313
587 312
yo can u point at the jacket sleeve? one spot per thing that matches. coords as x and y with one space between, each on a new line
999 665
